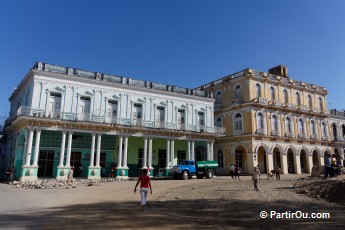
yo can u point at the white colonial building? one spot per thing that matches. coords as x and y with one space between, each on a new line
62 117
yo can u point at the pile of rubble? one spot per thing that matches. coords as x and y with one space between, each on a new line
331 189
55 183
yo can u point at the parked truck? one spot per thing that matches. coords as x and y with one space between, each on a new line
200 169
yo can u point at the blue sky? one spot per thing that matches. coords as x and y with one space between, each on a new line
180 42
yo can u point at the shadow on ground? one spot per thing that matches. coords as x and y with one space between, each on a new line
173 214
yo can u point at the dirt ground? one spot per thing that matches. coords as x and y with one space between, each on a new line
220 203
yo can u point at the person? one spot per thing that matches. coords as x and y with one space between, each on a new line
80 170
145 185
277 172
8 174
328 166
232 168
112 172
70 179
237 172
103 172
256 178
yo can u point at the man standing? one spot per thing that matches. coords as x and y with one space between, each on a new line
277 172
256 178
232 168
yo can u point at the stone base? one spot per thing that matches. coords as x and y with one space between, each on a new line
94 173
29 173
62 172
122 172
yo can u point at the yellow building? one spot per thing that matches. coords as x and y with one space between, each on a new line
271 120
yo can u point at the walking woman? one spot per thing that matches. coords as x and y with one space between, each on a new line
145 185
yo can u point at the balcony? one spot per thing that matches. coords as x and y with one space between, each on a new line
302 135
325 138
302 107
260 131
289 134
314 110
236 102
314 137
261 100
275 133
275 103
289 105
98 118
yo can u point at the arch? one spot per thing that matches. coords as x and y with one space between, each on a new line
258 89
304 163
219 122
317 150
220 158
272 93
262 159
281 150
234 147
326 151
218 97
293 148
306 150
340 150
238 90
238 123
285 96
298 98
267 149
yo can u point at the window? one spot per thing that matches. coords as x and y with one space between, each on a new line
288 125
181 155
312 128
300 126
220 158
238 92
343 130
238 158
238 122
298 98
272 94
320 103
310 102
286 96
274 123
259 121
219 97
323 129
219 122
258 90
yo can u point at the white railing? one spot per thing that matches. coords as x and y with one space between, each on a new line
289 134
302 135
97 118
275 133
260 131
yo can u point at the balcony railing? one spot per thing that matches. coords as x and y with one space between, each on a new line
275 133
237 102
260 131
302 135
289 134
262 100
314 137
325 138
87 117
275 103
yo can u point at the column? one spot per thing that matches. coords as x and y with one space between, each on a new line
119 153
172 151
149 161
297 163
310 163
193 151
269 162
37 146
212 153
125 152
188 151
322 164
168 154
29 147
46 112
284 164
69 147
92 151
62 154
208 151
98 154
144 165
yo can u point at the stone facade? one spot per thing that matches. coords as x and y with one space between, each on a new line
272 119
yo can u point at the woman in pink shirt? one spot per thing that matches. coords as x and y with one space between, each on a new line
145 185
